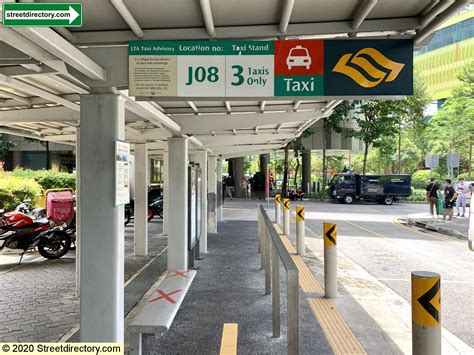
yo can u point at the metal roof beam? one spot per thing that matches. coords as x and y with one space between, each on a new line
286 15
253 31
230 140
362 12
25 100
205 124
450 11
52 42
435 11
19 85
127 16
207 16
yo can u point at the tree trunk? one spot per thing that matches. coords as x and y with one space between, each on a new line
324 159
296 172
284 186
366 151
399 149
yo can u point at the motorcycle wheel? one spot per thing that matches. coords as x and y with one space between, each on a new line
56 246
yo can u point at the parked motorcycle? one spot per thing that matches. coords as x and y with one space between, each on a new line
19 233
155 208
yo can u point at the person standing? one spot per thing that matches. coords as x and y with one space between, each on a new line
243 187
432 196
449 197
229 186
249 188
462 190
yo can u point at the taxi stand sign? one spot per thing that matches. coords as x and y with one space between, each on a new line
265 69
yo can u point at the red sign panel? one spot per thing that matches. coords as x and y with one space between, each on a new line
299 57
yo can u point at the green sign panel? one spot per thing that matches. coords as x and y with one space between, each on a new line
261 69
42 15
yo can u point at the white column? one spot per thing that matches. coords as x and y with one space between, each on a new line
220 192
166 193
178 210
101 222
212 195
141 199
78 212
201 158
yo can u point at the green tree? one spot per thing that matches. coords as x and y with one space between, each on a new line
451 128
4 148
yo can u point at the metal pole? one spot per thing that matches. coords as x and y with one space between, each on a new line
277 208
330 260
300 230
293 313
266 248
426 313
275 291
286 216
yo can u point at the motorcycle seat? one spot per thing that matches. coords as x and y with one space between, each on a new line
41 222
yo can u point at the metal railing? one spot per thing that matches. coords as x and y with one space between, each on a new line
272 251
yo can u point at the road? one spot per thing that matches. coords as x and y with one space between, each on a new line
369 235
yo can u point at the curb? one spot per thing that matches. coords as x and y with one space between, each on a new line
443 230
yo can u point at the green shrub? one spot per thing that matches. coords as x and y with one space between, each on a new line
47 179
417 195
13 190
421 178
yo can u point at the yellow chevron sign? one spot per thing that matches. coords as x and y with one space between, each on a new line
286 203
299 213
277 199
426 298
330 236
353 64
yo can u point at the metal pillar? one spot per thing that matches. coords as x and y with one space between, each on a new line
141 200
330 260
220 192
102 243
300 231
166 193
306 170
286 216
426 313
201 159
211 195
78 212
275 291
238 167
178 210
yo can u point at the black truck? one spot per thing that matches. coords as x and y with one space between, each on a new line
348 188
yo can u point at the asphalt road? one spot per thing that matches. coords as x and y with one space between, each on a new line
369 235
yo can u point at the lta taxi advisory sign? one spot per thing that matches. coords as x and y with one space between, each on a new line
270 68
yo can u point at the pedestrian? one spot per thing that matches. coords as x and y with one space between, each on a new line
243 187
449 197
432 197
229 186
462 190
249 188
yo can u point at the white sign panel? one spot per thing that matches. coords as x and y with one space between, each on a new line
452 160
432 161
122 173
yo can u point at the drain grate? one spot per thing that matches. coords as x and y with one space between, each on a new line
136 289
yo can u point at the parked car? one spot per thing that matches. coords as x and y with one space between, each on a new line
348 188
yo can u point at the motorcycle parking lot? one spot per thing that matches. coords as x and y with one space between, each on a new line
38 297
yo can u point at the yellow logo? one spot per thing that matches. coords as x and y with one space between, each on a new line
374 76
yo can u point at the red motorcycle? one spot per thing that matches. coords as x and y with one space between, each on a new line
19 233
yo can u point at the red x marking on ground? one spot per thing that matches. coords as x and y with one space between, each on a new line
165 296
179 273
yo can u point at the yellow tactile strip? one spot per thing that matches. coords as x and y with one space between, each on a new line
229 339
338 333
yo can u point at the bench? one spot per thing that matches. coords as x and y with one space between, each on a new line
160 308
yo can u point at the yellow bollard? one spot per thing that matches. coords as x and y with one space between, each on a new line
330 260
286 216
300 231
277 209
426 312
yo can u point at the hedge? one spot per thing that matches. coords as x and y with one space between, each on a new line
47 179
13 190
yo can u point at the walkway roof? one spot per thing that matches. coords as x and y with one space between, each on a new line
43 71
